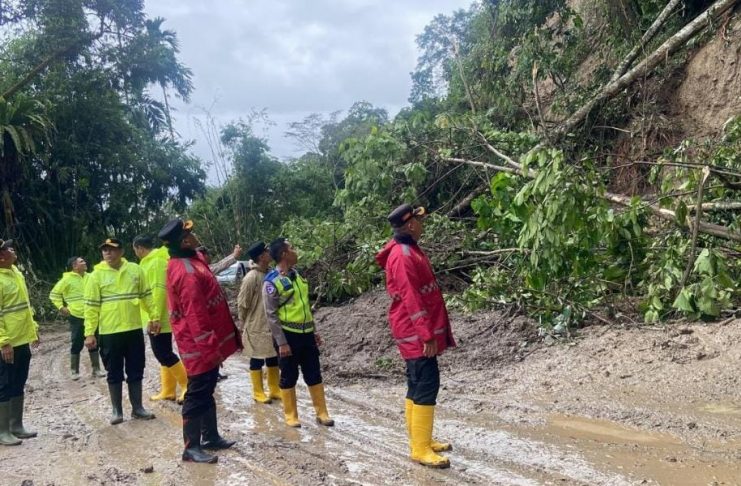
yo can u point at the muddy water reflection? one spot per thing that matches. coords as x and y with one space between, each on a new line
369 445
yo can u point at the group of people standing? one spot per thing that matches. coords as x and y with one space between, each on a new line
173 292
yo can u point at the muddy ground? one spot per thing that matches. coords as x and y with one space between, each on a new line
638 405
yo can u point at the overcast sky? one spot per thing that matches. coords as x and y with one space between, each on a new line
294 57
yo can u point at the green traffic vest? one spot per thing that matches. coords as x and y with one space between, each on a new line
294 311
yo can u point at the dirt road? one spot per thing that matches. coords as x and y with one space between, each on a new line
615 407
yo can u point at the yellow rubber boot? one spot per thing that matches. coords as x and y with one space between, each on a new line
423 417
435 445
258 393
273 381
290 410
320 405
178 371
167 384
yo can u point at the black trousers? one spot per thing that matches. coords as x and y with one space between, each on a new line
123 351
423 380
13 376
257 363
77 335
199 396
162 348
305 354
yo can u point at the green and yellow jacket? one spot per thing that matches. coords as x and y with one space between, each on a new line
154 266
69 291
17 325
114 298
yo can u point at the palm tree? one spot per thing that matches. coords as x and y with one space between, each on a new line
23 127
158 64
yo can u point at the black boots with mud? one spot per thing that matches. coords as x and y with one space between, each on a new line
95 363
135 397
74 366
192 438
115 390
6 437
210 433
16 419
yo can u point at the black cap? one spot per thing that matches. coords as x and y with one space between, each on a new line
256 249
112 242
403 213
174 230
4 245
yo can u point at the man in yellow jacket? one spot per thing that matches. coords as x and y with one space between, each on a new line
17 330
114 295
67 297
153 261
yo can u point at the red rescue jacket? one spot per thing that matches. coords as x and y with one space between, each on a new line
417 313
199 315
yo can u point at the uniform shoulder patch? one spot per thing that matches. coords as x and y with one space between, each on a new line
270 288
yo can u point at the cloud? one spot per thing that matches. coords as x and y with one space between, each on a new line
295 57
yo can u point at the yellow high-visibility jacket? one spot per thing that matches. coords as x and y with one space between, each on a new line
113 298
69 291
17 326
154 266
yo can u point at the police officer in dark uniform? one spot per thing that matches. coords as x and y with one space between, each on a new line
286 301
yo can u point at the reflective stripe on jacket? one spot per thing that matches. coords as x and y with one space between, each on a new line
69 291
154 266
286 302
114 298
17 326
417 313
199 315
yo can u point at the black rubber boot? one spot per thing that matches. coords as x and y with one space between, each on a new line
6 437
74 367
210 433
16 419
95 363
115 390
192 438
135 397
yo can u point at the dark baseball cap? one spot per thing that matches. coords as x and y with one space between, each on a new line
111 242
5 244
174 230
404 213
256 249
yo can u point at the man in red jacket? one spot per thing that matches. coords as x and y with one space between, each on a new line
205 334
420 325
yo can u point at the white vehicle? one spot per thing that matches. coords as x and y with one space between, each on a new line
233 274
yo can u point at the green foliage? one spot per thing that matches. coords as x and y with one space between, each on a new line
85 145
338 255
